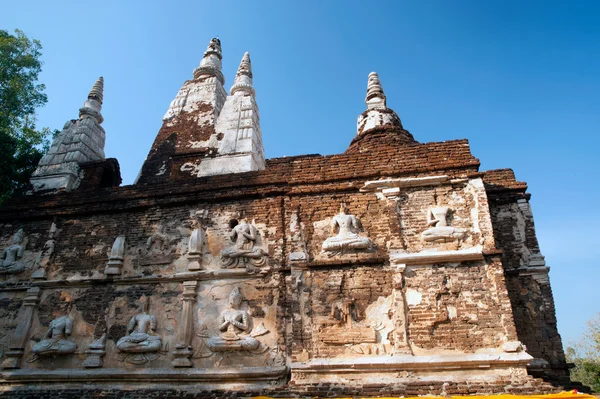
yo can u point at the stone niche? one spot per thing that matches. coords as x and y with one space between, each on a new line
248 341
465 212
353 312
451 308
10 304
374 220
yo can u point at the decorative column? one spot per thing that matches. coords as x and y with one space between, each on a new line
183 350
401 345
16 348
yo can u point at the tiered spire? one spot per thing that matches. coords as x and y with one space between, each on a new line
211 63
93 105
243 77
80 141
378 117
375 97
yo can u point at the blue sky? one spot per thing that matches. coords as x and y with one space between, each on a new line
519 79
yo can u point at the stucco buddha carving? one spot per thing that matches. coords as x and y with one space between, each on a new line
140 340
244 251
346 228
438 218
11 256
159 248
56 341
235 326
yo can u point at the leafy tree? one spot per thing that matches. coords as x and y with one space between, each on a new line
586 355
21 145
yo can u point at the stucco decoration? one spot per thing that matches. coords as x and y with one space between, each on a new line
236 332
57 340
346 228
116 257
183 348
47 256
159 248
95 353
195 248
12 256
140 346
348 330
441 232
244 252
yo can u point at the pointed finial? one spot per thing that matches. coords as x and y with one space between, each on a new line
97 92
214 47
211 62
93 105
375 97
243 77
378 117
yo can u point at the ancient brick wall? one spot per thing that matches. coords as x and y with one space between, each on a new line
527 277
349 268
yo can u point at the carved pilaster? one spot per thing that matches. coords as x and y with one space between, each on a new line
183 350
401 345
19 338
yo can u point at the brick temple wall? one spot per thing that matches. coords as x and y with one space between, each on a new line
313 312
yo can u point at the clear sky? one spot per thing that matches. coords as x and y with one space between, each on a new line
519 79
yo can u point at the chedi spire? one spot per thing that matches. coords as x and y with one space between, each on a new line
380 123
377 117
93 105
211 62
375 97
80 141
243 77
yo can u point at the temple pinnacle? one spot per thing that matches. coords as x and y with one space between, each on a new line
214 47
93 105
211 62
97 92
375 97
243 77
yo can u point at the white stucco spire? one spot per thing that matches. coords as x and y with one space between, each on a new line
211 62
378 117
243 77
97 92
93 105
375 97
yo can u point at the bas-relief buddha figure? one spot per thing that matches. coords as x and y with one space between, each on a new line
139 328
56 341
243 236
11 256
346 227
437 217
235 327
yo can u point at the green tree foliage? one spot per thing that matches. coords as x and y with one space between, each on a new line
586 355
21 145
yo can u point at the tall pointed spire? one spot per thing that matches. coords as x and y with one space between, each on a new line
380 123
92 107
97 92
211 62
243 77
375 97
80 141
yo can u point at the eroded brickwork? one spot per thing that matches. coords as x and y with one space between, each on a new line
396 268
526 273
